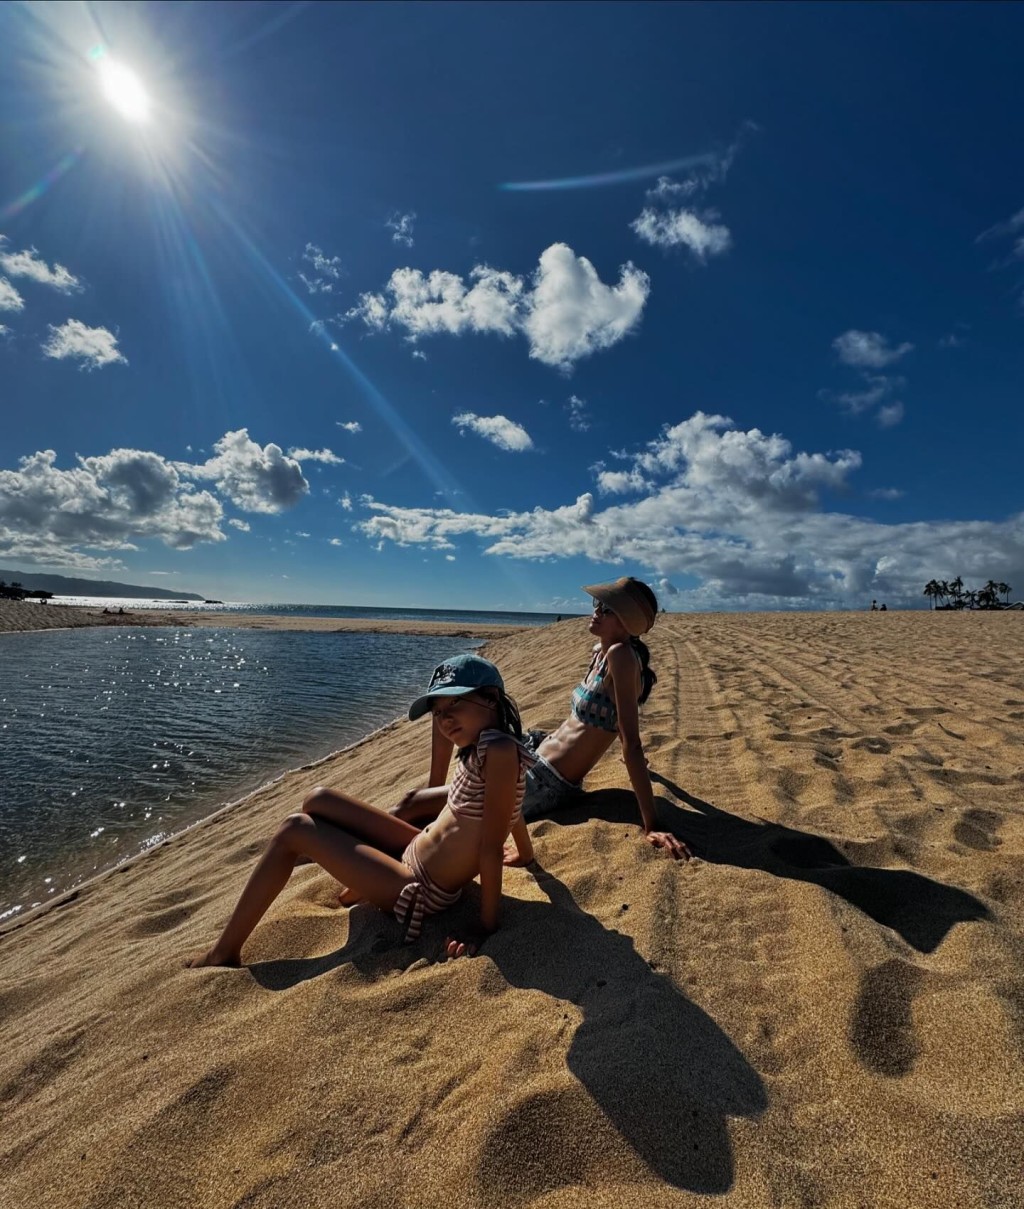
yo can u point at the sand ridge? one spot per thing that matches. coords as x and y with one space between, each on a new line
825 1007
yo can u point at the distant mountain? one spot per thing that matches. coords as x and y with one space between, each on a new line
62 585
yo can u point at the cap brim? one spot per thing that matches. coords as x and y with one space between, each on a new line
422 704
625 608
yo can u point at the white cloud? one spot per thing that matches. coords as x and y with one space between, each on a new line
664 223
352 426
700 232
241 525
566 311
418 354
741 511
335 541
890 415
346 502
450 558
254 478
93 346
10 299
316 455
886 493
26 263
327 270
302 533
579 419
103 503
868 350
401 227
499 430
878 389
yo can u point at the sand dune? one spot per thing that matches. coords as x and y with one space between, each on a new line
824 1008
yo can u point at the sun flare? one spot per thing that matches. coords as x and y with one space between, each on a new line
124 90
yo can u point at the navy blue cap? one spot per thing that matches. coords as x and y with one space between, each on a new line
456 677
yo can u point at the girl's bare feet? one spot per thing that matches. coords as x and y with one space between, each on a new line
213 957
348 898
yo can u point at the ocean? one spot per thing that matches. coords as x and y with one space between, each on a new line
113 739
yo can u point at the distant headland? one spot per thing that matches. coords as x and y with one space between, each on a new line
63 585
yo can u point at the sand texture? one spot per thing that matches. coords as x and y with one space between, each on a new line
18 615
825 1008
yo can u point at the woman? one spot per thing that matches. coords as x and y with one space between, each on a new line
604 706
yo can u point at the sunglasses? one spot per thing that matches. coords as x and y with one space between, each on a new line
601 609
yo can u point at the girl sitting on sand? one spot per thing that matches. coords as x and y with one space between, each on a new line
388 861
604 706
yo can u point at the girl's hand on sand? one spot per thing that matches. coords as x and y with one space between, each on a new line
467 945
665 840
512 859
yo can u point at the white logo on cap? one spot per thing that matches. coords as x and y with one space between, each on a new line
444 674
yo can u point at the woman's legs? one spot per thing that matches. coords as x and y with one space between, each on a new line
368 870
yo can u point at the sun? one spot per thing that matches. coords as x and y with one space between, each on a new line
124 90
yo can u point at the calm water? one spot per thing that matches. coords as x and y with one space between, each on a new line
303 610
113 739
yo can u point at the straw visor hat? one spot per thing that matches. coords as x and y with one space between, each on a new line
628 601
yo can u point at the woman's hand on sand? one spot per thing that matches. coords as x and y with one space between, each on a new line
669 843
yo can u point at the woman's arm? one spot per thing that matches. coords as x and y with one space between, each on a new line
625 686
522 853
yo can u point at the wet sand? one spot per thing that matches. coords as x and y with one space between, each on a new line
824 1008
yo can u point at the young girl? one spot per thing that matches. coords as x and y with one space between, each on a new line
391 863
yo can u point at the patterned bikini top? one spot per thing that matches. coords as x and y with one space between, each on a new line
466 795
591 702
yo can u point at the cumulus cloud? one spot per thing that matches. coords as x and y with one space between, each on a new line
499 430
326 270
27 263
47 514
890 415
742 512
352 426
346 502
253 477
701 233
10 299
401 227
242 526
327 456
579 417
666 223
94 347
335 541
565 311
868 350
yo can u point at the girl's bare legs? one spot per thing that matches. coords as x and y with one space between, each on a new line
421 806
369 870
388 832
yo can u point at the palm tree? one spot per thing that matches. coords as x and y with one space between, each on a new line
933 589
1004 590
956 590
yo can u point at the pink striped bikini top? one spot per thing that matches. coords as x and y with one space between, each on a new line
466 795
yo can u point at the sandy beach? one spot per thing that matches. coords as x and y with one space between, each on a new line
18 615
824 1008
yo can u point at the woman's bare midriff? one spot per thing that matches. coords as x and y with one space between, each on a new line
574 748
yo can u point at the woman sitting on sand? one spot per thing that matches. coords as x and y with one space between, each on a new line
388 861
604 706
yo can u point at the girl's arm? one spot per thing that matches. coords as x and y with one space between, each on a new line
440 756
501 771
522 853
622 665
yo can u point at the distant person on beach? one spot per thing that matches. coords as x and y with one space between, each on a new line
386 860
604 707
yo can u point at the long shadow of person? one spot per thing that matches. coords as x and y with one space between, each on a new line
922 911
656 1065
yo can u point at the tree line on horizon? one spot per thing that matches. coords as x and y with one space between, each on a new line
960 597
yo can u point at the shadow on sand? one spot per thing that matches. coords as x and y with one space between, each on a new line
656 1066
922 911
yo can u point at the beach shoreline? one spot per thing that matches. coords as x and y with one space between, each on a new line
21 617
823 1007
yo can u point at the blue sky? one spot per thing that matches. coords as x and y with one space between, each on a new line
467 305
